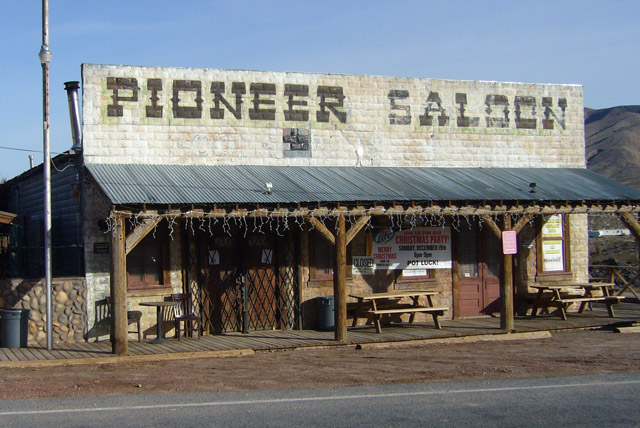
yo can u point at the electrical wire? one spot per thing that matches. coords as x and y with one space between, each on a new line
61 170
25 150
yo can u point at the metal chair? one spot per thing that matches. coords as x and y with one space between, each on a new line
183 312
133 317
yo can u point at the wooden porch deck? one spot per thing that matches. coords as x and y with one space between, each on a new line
275 340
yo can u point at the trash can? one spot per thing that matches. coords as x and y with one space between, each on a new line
326 309
14 328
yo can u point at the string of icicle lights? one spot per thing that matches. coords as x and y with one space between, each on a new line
280 221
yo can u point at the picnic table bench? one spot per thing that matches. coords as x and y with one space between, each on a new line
389 303
592 292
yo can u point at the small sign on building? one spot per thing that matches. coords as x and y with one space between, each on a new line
363 265
101 247
509 242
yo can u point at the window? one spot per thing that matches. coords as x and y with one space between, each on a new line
553 245
415 275
468 252
321 255
145 263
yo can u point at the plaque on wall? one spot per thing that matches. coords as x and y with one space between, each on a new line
101 247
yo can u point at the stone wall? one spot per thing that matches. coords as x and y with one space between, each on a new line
579 239
69 307
205 116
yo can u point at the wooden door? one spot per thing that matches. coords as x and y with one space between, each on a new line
261 283
222 296
479 259
249 282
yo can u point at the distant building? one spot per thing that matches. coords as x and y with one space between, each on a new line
608 232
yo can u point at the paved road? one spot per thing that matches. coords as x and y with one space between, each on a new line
587 401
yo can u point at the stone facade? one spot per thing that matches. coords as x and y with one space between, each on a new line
205 116
69 307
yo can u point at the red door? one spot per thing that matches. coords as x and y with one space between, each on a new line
479 261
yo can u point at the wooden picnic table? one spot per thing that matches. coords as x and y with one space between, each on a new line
379 304
552 295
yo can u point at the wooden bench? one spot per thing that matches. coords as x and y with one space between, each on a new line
570 300
434 311
608 300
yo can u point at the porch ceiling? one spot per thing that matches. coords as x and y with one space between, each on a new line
246 184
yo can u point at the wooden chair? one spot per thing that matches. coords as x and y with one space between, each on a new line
184 313
133 317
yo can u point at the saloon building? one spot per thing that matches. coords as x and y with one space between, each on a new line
257 192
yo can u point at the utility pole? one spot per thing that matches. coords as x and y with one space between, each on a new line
45 59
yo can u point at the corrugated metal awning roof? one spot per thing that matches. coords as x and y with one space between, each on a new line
208 184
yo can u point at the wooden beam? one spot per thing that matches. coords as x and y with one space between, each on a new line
506 289
326 233
483 208
119 344
522 223
340 282
493 226
353 231
630 221
7 218
141 230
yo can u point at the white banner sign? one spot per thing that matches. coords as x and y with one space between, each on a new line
420 248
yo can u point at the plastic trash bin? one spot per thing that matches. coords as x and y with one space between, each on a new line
14 328
326 310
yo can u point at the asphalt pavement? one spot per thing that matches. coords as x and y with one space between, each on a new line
585 401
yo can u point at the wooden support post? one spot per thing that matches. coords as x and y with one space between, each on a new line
506 289
340 282
119 344
455 287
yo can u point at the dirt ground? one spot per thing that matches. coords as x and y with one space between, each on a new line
564 353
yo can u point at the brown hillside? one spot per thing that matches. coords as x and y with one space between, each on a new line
613 143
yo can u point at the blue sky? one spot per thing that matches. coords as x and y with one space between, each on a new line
592 43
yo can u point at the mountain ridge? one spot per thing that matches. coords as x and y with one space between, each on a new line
612 143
